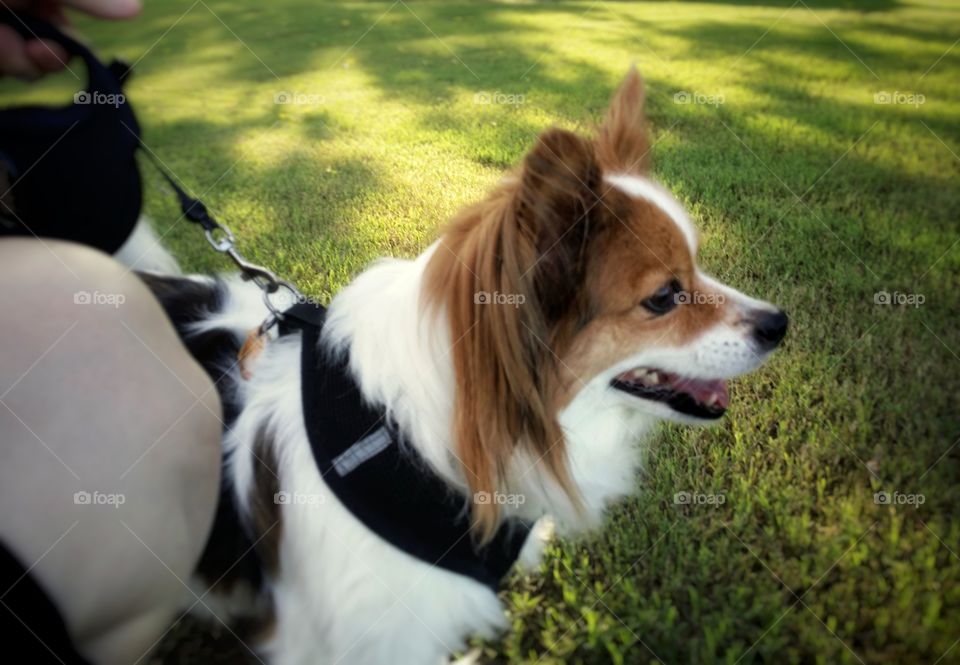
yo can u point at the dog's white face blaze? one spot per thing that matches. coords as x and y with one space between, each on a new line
711 347
712 340
599 250
722 351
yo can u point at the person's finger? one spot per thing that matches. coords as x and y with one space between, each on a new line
19 4
111 9
47 10
14 60
46 55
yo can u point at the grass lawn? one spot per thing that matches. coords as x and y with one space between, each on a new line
807 193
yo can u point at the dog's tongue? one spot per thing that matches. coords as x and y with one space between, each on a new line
701 389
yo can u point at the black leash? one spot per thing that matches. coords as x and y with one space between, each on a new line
222 240
193 209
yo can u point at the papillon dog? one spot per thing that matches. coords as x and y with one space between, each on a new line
526 355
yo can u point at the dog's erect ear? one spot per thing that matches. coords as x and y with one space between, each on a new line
556 206
622 141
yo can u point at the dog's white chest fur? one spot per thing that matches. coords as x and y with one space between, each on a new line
340 585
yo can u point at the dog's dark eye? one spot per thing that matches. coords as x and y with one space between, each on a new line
663 299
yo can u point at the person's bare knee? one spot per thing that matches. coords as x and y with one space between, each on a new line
110 435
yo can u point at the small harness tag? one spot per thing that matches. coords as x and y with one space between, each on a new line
363 450
252 348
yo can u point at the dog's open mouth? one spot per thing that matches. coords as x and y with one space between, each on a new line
700 398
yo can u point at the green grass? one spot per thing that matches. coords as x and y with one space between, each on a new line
798 564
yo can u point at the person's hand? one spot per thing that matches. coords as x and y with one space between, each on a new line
31 58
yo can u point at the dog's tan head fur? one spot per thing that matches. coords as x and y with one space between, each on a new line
573 254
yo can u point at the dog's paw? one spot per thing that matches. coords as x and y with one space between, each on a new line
472 657
532 552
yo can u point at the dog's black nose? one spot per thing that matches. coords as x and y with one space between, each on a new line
769 328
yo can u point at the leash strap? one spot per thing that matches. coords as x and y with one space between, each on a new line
193 208
222 240
105 130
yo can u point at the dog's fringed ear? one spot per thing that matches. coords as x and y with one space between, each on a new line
542 240
623 144
556 207
507 273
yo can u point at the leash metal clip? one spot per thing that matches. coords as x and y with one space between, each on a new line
276 312
225 242
222 240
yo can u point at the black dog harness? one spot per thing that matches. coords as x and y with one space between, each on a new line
381 480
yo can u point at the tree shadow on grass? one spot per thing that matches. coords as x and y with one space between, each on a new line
436 56
847 5
299 206
819 261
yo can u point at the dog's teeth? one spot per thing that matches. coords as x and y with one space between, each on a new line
653 378
713 399
637 374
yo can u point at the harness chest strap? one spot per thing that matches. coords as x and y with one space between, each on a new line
383 482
